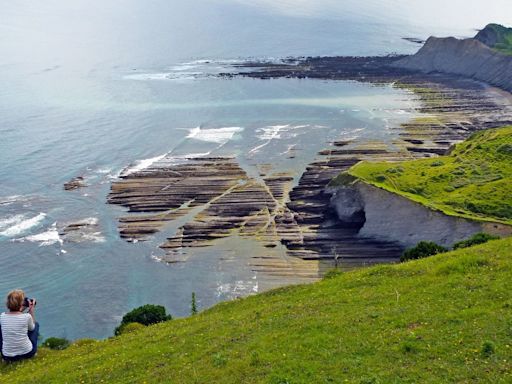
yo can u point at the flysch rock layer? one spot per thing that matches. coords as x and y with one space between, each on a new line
301 218
468 57
393 217
166 191
451 109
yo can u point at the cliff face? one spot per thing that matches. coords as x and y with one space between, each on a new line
390 217
469 58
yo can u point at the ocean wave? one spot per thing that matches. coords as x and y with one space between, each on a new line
49 237
104 171
22 225
8 200
140 165
95 237
214 135
273 132
10 220
162 160
191 70
178 75
86 221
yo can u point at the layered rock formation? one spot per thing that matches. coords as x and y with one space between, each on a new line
469 58
392 217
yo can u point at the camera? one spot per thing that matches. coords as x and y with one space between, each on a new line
27 301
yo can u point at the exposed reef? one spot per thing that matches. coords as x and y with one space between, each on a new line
214 198
75 183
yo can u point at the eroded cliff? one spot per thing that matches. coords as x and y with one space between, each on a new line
468 58
390 217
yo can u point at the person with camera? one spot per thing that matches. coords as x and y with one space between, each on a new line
19 329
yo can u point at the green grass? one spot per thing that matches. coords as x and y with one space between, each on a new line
474 181
447 318
504 37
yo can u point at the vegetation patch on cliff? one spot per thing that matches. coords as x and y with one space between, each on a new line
474 181
447 318
496 36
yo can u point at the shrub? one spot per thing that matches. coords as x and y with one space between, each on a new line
193 305
56 343
332 273
145 315
421 250
487 349
479 238
505 149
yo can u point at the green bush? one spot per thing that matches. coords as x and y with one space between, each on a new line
479 238
57 343
505 149
146 315
488 349
421 250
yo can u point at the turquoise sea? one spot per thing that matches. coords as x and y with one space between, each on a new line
90 88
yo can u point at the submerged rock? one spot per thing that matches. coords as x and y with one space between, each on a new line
75 183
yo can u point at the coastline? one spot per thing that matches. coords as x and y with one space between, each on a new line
300 217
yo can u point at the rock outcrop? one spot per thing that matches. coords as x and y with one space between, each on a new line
75 183
469 58
390 217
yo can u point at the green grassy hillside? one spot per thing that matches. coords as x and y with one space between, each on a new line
497 36
444 319
474 181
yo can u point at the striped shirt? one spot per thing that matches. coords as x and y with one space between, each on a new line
15 333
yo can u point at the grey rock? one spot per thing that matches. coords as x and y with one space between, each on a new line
390 217
469 58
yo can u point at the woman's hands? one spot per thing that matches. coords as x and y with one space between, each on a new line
31 306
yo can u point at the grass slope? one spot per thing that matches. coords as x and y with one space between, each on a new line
503 38
474 181
444 319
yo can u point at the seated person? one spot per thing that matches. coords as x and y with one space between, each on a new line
19 330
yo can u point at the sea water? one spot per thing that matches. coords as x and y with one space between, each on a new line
97 89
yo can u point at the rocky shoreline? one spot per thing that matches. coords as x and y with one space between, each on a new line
216 198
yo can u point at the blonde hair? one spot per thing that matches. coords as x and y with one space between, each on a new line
15 300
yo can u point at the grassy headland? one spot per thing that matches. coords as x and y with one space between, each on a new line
474 181
447 318
503 38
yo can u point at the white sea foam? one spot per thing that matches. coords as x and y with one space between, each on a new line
273 132
10 220
178 75
184 67
49 237
22 226
8 200
147 76
214 135
95 237
141 165
104 171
